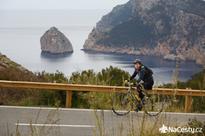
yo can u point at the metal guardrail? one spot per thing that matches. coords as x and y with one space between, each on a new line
188 93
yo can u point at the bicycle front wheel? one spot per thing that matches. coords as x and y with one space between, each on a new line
121 103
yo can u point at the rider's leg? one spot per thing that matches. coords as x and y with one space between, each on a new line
141 95
140 91
147 86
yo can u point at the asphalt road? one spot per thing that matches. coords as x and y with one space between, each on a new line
39 121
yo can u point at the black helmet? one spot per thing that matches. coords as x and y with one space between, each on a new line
137 61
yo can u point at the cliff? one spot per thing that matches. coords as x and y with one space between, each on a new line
167 28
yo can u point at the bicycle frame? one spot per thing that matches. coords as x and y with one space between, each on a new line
134 101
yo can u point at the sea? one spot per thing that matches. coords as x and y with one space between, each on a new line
20 33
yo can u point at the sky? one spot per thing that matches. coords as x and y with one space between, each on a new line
58 4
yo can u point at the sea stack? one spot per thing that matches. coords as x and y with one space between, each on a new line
54 42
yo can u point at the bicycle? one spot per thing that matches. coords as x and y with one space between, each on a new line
123 103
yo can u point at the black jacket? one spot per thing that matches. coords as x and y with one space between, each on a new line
145 74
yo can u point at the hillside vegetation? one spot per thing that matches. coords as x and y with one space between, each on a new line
108 76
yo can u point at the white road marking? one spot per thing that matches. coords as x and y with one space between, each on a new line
54 125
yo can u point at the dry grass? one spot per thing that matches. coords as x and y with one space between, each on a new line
136 124
51 118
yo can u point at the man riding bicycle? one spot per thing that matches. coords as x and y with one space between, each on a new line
145 79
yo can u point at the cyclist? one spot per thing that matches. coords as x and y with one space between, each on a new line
145 79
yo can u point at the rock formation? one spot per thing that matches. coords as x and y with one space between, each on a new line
55 42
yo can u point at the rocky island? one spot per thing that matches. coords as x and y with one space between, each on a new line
54 42
167 28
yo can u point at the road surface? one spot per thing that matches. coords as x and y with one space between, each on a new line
42 121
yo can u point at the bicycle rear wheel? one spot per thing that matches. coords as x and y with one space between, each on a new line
155 104
121 103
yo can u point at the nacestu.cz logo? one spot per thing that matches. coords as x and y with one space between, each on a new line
167 129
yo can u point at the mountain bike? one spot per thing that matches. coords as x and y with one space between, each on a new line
152 104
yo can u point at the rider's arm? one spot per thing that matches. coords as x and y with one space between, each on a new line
133 75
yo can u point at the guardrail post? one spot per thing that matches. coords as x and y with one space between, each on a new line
68 99
188 103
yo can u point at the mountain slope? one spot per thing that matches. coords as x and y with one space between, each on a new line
167 28
10 70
